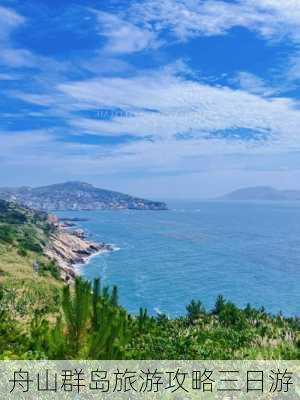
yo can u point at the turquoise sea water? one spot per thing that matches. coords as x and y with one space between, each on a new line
249 252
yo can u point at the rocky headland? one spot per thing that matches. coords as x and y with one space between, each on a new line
68 248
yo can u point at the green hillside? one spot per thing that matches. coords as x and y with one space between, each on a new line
23 235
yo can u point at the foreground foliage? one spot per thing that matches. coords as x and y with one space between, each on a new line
91 325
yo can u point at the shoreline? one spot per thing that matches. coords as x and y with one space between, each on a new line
78 266
70 249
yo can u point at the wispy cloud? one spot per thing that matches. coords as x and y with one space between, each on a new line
253 84
188 18
9 54
150 24
17 145
167 105
14 56
122 36
272 20
164 105
9 20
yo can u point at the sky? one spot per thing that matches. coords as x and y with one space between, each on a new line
161 99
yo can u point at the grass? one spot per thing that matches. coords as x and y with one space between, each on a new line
23 235
27 292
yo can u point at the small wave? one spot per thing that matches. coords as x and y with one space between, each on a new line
115 247
160 312
78 266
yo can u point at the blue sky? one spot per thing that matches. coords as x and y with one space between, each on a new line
173 98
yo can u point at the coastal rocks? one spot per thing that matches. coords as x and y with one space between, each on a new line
53 220
70 248
79 233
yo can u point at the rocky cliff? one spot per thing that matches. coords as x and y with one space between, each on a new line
67 249
37 236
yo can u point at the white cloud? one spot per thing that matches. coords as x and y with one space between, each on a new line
9 54
17 57
253 84
143 24
9 20
272 20
122 36
188 18
293 67
164 105
15 145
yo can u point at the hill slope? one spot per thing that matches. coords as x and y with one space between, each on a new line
76 196
262 193
24 234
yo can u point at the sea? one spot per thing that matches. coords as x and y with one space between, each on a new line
247 251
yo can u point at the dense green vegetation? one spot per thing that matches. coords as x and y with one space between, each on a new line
27 230
23 235
91 325
41 318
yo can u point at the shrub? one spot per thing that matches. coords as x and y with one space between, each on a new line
194 311
51 268
7 233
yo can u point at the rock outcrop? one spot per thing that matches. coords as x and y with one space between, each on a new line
67 249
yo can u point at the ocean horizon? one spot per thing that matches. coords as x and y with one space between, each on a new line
248 252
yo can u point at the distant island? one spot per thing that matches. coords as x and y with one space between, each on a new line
76 196
262 193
